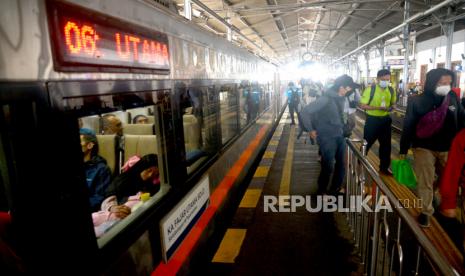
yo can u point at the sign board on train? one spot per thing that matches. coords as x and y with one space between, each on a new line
86 40
175 226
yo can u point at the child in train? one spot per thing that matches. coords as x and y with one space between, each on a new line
143 176
98 174
140 176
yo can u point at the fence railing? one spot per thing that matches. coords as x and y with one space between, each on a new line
389 240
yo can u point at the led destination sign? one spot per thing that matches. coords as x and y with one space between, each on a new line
83 38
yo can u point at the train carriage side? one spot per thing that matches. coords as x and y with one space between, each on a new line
204 102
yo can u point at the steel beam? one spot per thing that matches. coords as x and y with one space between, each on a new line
406 42
449 32
410 20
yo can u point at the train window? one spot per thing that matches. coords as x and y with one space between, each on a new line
250 95
199 118
121 140
228 112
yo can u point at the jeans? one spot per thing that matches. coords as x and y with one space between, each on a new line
332 160
379 128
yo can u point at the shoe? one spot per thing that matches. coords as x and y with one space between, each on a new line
386 171
423 220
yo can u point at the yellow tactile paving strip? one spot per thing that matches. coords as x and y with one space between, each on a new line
232 241
285 185
262 171
250 198
230 246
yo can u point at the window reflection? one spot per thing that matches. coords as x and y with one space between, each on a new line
228 112
201 136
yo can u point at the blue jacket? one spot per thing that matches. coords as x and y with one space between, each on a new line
323 116
98 176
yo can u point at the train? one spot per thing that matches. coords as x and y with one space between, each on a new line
65 65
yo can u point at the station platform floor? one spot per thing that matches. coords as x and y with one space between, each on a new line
285 243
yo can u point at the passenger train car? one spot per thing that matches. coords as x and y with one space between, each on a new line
65 65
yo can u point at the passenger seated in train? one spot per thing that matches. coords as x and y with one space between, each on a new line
142 176
324 120
112 125
139 181
140 119
431 122
98 174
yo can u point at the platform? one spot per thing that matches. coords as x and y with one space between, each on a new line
294 243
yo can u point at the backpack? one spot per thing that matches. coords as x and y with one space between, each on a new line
295 97
372 94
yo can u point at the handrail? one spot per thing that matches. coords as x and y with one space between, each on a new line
439 261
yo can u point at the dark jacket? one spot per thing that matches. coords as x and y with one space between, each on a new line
130 182
324 116
418 106
98 176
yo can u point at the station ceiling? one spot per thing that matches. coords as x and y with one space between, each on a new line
281 30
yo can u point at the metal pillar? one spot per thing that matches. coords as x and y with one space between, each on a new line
229 34
367 56
406 40
381 53
188 9
433 54
449 32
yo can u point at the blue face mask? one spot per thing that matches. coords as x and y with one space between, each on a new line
383 84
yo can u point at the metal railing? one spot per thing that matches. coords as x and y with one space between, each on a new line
389 241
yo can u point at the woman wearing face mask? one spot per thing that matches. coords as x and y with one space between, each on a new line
431 143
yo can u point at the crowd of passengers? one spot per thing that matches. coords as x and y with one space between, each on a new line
433 129
113 199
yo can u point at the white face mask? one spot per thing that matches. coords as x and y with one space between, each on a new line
442 90
383 84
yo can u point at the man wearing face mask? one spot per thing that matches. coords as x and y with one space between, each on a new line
325 121
378 100
431 141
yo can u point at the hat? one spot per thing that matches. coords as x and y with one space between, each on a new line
345 81
89 133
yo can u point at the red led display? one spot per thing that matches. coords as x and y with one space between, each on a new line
84 40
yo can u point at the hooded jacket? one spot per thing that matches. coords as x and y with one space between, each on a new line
323 115
98 177
419 106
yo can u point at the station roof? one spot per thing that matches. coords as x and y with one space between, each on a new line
285 29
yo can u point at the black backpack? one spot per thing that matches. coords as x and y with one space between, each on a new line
295 99
372 94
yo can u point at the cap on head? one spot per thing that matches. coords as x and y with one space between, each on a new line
345 81
89 133
383 72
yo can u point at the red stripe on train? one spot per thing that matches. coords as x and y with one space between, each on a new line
173 266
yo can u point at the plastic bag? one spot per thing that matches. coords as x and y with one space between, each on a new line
403 172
